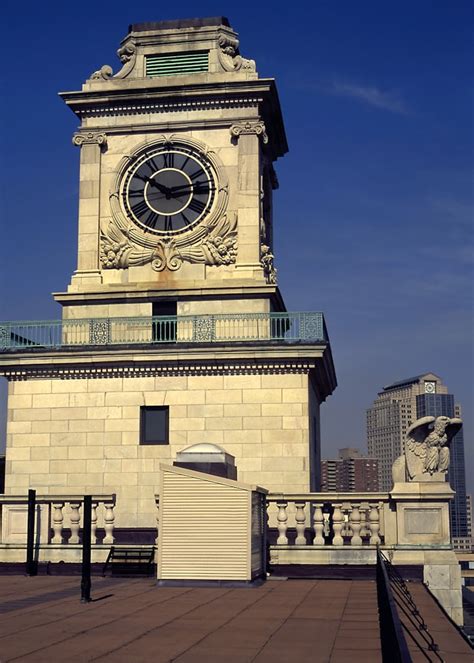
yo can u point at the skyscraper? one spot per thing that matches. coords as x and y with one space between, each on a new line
396 407
351 472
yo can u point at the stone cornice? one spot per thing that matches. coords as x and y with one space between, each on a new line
180 359
59 371
119 293
157 96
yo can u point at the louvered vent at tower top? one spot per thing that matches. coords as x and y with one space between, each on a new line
176 64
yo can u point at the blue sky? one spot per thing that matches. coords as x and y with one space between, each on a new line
374 212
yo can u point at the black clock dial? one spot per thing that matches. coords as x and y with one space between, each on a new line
169 189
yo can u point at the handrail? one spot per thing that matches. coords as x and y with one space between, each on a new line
283 327
66 497
394 645
404 596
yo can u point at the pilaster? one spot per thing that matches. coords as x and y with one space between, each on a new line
249 135
92 145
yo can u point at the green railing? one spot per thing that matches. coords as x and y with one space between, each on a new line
205 329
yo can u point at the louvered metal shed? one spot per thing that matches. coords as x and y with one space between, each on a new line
210 528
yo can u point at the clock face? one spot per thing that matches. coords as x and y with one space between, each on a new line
168 189
430 387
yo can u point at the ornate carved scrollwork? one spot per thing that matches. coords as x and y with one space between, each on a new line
229 56
89 138
267 261
256 127
127 55
218 246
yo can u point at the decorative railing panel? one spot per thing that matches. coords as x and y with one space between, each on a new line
58 518
239 327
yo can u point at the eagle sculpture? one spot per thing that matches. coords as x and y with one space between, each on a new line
426 448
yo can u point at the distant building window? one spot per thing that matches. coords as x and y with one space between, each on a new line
154 425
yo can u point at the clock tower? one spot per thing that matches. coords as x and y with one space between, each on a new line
173 332
176 177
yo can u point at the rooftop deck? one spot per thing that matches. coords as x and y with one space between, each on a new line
41 619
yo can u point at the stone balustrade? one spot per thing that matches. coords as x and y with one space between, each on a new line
327 519
58 519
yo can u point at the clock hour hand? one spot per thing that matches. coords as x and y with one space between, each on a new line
152 182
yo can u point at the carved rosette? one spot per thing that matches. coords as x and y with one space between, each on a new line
212 242
255 127
229 55
89 138
128 57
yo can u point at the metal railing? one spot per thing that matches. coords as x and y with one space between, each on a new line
205 329
392 637
406 605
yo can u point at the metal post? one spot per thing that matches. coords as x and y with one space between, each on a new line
31 564
86 550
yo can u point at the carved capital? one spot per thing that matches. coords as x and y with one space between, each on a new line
256 127
89 138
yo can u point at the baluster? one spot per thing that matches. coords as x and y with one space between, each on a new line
157 502
109 519
364 512
318 525
337 521
300 518
58 519
374 524
346 527
94 523
282 518
355 525
75 519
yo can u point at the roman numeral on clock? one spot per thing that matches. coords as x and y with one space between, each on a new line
197 206
168 160
140 208
168 225
151 219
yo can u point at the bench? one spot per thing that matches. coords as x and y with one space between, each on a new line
130 561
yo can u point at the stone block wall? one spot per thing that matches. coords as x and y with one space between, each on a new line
81 435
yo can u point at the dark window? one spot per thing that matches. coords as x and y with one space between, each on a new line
154 425
164 326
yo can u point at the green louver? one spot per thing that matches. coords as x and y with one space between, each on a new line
177 64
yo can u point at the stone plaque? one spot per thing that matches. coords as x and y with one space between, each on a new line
423 521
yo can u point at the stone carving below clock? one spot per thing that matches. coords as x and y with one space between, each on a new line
217 245
256 127
266 260
127 55
426 456
229 55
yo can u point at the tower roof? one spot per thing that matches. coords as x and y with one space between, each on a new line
178 24
408 381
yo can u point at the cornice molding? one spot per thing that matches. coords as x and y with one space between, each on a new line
166 107
174 369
